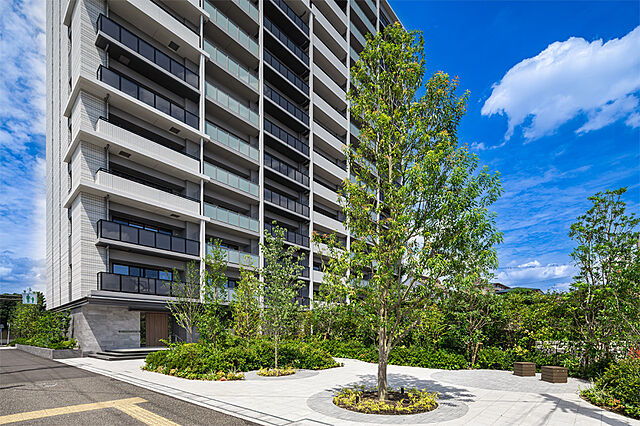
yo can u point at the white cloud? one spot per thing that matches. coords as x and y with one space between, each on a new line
567 79
535 274
480 146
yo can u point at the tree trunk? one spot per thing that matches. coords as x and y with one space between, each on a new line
276 355
383 356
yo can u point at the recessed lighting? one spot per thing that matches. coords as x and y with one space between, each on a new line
174 130
174 46
124 154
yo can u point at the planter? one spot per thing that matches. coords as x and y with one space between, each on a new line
524 369
553 374
50 353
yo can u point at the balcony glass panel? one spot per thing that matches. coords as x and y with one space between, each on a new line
286 104
178 244
286 72
163 241
146 237
147 285
110 230
151 98
163 288
291 14
363 17
293 47
235 181
356 32
286 137
286 202
230 27
230 140
285 169
128 234
192 247
231 103
291 236
135 43
232 218
129 284
110 282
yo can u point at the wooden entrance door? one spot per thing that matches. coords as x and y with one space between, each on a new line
157 324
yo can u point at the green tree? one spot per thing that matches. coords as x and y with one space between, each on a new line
280 286
185 304
212 324
246 305
417 206
605 294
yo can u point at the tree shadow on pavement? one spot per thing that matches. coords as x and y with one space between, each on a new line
589 410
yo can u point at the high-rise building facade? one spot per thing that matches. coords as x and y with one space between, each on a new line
170 123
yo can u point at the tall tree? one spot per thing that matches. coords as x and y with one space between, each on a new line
417 207
211 324
280 285
605 291
246 305
185 305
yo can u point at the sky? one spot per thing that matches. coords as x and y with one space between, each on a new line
554 107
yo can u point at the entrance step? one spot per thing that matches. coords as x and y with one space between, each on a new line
122 354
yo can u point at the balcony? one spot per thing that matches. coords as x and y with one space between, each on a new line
365 20
285 72
226 28
131 235
239 258
287 106
284 7
139 285
228 217
146 59
232 67
230 179
324 58
286 170
291 236
231 141
325 136
234 109
287 138
286 203
154 100
285 41
329 223
334 119
358 35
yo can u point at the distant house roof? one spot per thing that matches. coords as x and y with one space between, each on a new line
499 286
509 289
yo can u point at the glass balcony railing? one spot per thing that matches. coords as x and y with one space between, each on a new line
131 284
354 55
228 63
291 236
286 202
231 28
239 257
228 178
292 15
342 138
231 218
133 42
285 169
286 137
363 17
147 96
249 8
145 237
294 48
232 141
285 104
356 32
286 72
231 103
354 130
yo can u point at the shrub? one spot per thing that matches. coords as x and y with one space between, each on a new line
200 358
276 372
365 400
44 342
618 388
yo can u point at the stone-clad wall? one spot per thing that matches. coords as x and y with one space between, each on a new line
99 328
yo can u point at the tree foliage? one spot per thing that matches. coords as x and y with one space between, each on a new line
185 304
211 323
417 205
246 306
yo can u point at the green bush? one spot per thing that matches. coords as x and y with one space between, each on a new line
618 388
44 342
200 358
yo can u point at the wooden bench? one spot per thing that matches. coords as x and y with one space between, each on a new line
524 369
553 374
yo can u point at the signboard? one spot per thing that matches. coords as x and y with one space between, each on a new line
29 298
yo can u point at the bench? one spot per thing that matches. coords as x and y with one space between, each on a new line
553 374
524 369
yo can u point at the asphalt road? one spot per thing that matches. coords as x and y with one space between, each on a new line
29 383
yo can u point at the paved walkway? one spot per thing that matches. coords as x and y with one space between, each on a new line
481 397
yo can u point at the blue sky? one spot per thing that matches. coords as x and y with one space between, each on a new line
553 107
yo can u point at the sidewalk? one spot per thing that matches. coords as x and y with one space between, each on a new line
479 397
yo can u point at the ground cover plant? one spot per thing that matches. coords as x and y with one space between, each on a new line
397 401
618 389
276 372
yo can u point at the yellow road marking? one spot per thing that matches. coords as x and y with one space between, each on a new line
126 405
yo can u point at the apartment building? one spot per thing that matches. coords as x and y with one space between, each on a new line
173 122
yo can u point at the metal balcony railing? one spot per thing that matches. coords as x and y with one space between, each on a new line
291 236
285 169
285 104
293 47
286 137
293 16
149 97
286 72
286 202
147 238
138 45
140 285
